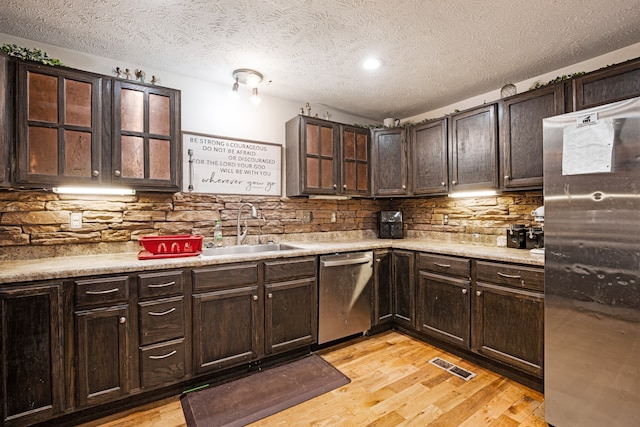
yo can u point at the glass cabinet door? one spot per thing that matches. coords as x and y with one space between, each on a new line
59 126
320 158
355 160
146 127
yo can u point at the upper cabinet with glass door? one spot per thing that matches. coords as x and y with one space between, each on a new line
146 127
59 126
79 128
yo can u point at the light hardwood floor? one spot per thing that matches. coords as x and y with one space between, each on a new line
392 384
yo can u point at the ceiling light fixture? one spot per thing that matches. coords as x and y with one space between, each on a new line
251 78
371 64
234 91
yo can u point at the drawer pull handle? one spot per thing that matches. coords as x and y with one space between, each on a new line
255 297
108 291
269 295
464 292
164 356
442 265
478 293
164 313
509 276
162 285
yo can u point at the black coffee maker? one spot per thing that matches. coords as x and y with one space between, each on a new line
390 225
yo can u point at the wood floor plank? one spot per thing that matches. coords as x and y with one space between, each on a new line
392 384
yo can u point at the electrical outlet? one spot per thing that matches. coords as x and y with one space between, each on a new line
75 220
334 217
445 219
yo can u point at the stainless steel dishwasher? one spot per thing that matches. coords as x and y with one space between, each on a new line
345 292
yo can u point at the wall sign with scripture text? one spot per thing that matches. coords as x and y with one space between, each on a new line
218 165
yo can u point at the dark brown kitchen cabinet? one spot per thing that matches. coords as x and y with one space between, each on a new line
521 135
291 304
389 172
473 149
79 128
6 120
60 117
102 339
162 325
429 168
382 287
312 156
354 143
444 288
33 380
614 83
326 158
227 313
404 295
508 315
146 127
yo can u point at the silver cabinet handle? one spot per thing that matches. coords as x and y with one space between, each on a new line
117 173
509 276
95 173
269 295
478 293
164 356
507 177
464 292
108 291
335 186
164 313
162 285
454 182
255 297
344 186
441 265
404 187
123 320
443 183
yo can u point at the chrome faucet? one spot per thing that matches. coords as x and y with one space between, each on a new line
254 214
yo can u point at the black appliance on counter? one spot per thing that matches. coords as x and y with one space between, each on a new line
522 237
390 225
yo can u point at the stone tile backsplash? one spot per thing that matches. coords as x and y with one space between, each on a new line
36 223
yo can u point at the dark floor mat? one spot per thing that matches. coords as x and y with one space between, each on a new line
259 395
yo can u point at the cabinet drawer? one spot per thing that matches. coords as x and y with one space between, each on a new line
451 266
162 363
105 291
225 276
289 269
161 320
511 275
153 285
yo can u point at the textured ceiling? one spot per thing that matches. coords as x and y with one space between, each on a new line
434 52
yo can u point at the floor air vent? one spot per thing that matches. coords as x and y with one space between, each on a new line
454 369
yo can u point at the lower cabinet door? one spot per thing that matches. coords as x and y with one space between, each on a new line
290 315
508 326
383 288
162 363
31 351
102 354
404 298
444 308
229 328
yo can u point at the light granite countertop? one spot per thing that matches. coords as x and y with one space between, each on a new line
93 265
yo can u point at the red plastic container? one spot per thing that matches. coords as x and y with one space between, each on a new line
172 244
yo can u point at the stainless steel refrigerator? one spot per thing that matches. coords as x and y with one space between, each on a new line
592 266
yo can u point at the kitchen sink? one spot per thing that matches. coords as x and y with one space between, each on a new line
246 249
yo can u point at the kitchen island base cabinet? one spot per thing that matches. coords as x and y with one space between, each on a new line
32 373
